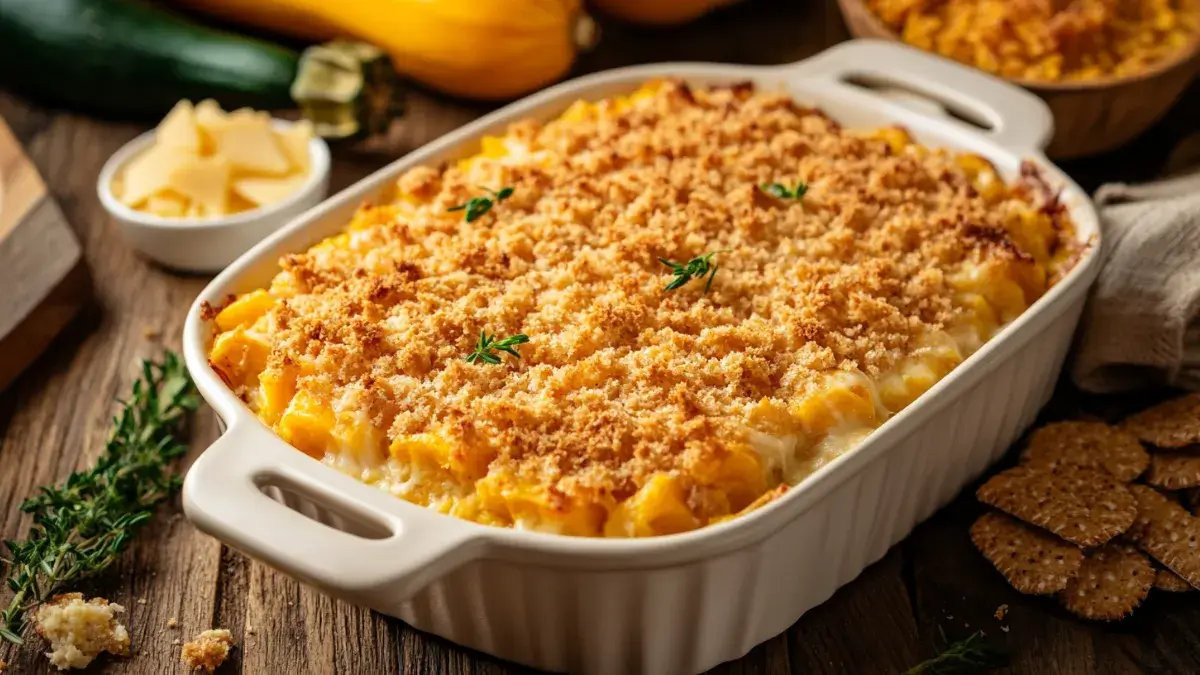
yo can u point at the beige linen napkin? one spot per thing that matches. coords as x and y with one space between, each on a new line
1141 326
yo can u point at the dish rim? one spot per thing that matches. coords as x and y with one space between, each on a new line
663 550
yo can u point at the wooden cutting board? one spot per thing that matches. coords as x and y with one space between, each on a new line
43 278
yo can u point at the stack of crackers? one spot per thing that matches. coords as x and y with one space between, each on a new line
1097 515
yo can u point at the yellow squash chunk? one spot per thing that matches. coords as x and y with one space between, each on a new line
845 401
434 452
738 475
276 387
240 356
245 310
493 147
896 138
530 506
658 507
308 425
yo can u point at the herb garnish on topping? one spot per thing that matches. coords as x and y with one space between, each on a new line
696 268
477 206
488 345
783 192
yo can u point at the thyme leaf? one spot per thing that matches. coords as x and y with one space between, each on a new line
784 192
970 655
475 207
82 525
696 268
488 345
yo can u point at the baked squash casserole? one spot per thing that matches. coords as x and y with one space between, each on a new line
651 314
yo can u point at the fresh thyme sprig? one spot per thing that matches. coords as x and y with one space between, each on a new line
477 206
784 192
970 655
488 345
81 526
696 268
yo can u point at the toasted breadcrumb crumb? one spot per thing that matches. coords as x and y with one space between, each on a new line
208 651
1001 612
79 631
151 332
3 666
172 623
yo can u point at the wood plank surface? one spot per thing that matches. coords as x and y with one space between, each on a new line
42 275
54 418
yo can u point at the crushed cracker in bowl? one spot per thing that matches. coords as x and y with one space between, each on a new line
1047 40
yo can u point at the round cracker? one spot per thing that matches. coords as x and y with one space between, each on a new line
1166 580
1085 506
1112 581
1171 424
1174 470
1166 531
1033 561
1090 444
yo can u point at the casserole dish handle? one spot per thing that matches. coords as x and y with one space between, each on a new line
1010 116
353 540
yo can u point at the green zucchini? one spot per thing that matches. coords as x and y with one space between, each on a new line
128 58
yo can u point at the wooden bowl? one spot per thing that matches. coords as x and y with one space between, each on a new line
1089 117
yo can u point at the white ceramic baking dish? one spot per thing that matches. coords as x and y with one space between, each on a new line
680 603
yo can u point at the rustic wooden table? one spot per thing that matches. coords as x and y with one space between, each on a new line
55 418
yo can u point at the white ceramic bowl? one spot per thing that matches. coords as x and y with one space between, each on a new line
208 244
681 603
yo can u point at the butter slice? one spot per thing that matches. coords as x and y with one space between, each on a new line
149 173
178 129
250 146
167 205
294 140
205 181
209 120
263 191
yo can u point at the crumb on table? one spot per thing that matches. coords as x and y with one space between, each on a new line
78 631
1001 612
172 623
208 651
